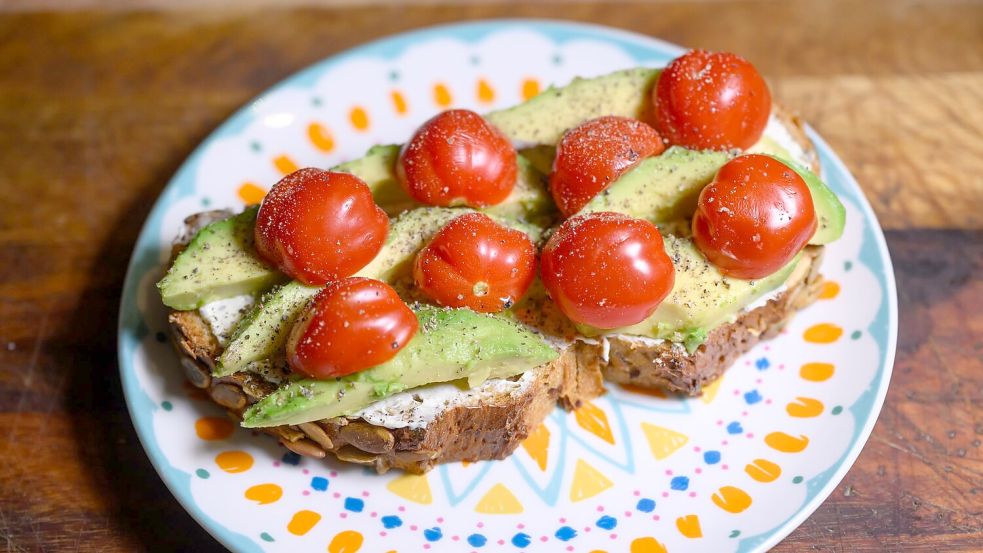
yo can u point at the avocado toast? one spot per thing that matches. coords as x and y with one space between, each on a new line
486 409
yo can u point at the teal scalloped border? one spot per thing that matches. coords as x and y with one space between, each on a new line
645 50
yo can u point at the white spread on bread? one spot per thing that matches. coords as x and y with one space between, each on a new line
223 315
777 131
418 407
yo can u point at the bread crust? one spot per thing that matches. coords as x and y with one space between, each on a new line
495 428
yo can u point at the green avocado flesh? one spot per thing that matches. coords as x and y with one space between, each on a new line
830 213
220 262
661 188
264 329
700 299
529 201
451 344
378 169
544 118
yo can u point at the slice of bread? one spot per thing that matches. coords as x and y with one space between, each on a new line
491 421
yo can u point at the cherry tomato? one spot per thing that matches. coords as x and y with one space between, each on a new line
457 158
475 262
352 324
754 217
318 226
592 155
607 269
711 100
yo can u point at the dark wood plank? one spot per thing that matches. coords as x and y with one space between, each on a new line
97 109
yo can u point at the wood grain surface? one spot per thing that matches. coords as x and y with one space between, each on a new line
98 108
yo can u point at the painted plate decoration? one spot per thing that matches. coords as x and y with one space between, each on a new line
735 470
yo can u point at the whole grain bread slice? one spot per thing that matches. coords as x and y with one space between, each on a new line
493 425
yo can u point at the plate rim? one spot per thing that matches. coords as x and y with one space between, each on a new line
129 318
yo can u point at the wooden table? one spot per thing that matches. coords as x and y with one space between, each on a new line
98 108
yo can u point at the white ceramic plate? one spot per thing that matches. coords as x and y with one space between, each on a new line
735 470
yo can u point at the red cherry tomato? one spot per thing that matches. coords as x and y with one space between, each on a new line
318 226
475 262
754 217
457 158
711 100
350 325
591 156
607 269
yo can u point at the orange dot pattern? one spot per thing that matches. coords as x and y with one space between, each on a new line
284 164
485 92
359 118
816 372
399 102
823 333
250 193
348 541
442 95
320 137
804 407
763 470
264 494
530 88
234 462
213 428
830 290
302 522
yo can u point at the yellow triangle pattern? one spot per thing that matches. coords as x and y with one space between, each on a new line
537 445
593 419
499 501
662 441
710 391
587 482
412 487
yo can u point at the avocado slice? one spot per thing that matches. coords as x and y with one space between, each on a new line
220 262
544 118
378 169
830 213
263 331
661 188
529 201
701 298
451 344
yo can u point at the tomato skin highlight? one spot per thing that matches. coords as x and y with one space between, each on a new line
607 269
594 154
754 217
711 100
477 263
458 158
351 325
318 226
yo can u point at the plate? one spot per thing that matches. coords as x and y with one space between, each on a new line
735 470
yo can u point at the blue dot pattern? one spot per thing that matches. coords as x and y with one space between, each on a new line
319 483
607 522
521 540
679 483
711 457
392 521
433 534
752 397
565 533
477 540
354 504
645 505
734 428
762 364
